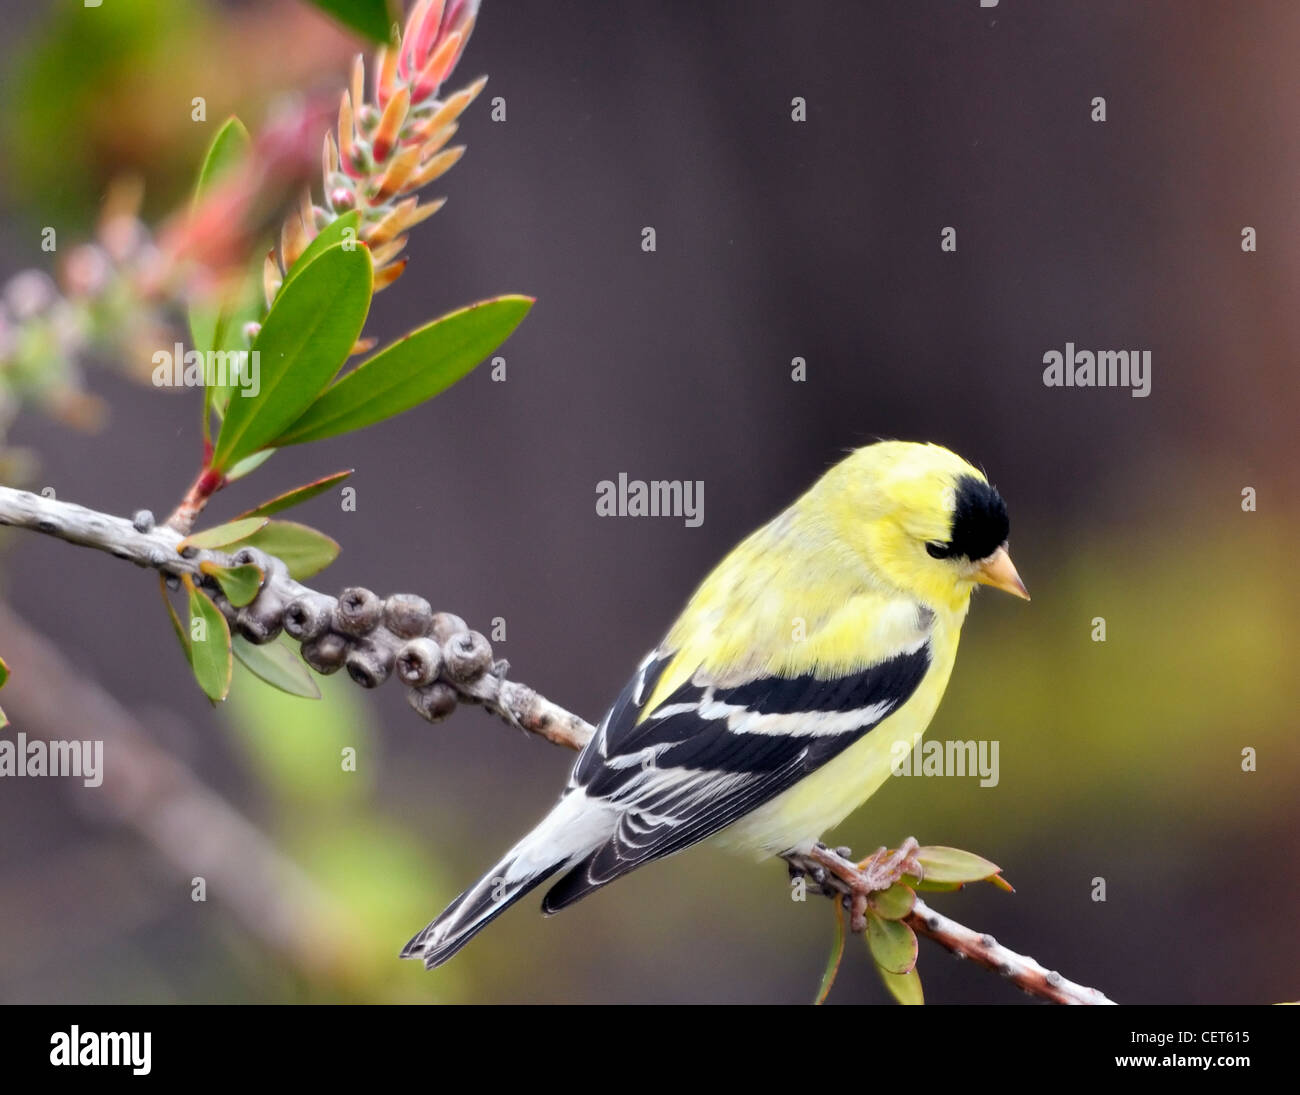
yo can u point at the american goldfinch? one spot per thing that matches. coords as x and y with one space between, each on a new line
769 711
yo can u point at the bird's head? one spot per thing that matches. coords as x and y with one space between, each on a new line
924 520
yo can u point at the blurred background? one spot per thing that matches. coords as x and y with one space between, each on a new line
1120 760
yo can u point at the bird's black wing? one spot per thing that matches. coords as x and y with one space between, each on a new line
709 754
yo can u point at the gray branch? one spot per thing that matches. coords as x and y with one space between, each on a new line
463 667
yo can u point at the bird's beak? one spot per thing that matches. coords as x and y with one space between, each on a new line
999 572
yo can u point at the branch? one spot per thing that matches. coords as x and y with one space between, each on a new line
443 663
459 668
842 876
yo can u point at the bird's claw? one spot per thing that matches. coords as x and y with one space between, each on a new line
884 867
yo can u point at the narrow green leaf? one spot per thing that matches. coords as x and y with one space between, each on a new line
836 955
209 643
892 944
304 550
336 232
239 584
221 535
182 635
410 371
4 719
4 676
249 464
228 149
303 343
372 18
953 865
297 496
893 903
279 666
904 987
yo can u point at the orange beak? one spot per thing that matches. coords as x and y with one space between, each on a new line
999 572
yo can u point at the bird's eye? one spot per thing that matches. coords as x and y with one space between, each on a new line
937 550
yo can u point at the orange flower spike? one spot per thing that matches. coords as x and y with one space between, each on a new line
406 62
389 274
391 223
272 279
385 75
381 256
399 171
329 158
430 140
390 124
358 83
437 166
433 73
293 239
308 213
425 33
347 147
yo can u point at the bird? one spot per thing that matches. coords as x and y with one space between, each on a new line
772 707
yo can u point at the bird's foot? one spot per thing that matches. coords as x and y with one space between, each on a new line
884 868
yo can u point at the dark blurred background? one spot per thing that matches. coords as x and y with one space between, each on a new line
1120 760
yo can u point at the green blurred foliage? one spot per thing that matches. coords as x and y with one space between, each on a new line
72 122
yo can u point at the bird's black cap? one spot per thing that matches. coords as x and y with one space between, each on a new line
979 521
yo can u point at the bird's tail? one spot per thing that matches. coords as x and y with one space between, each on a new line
568 833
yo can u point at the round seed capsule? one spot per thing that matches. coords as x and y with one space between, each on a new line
419 662
308 616
326 652
358 612
445 625
408 616
434 701
260 621
369 664
142 520
268 564
466 656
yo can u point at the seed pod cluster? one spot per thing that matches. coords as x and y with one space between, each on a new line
435 654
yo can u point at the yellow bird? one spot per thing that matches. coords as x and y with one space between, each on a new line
772 708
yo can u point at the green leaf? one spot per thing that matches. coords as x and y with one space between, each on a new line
239 584
836 955
333 233
372 18
228 149
410 371
4 676
304 550
297 496
182 635
279 666
221 535
303 343
209 643
931 887
953 865
249 464
904 987
893 944
893 903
